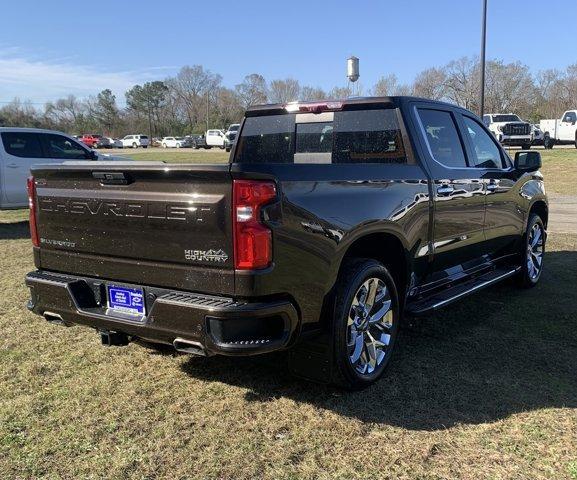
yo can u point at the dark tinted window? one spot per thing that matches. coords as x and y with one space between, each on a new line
60 147
486 154
506 118
367 136
266 139
570 117
314 137
22 144
443 138
359 136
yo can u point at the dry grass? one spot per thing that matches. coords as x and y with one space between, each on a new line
486 389
559 165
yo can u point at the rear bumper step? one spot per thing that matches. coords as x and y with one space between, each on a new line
193 323
445 297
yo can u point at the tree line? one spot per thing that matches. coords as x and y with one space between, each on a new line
196 98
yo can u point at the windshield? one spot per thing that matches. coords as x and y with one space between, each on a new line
233 128
506 118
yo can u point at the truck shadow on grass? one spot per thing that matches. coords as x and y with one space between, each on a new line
497 353
14 230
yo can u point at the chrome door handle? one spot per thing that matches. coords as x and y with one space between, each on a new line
445 190
491 187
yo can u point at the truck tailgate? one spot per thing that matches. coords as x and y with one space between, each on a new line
138 222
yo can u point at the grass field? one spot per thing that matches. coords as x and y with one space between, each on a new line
485 389
559 165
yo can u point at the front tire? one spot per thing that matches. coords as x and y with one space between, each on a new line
526 146
533 252
366 318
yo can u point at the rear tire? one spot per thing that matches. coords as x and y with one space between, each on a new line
134 145
575 139
548 142
533 252
365 323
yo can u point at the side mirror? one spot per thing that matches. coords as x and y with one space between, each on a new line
527 161
93 155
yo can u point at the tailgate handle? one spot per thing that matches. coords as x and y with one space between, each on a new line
111 178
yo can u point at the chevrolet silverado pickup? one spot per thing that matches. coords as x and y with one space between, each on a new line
331 224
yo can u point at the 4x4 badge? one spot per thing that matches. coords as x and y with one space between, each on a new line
218 256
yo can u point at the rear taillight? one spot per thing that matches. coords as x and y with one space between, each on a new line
252 239
32 205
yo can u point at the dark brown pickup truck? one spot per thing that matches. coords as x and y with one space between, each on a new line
332 222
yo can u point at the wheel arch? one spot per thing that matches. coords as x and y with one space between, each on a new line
385 247
540 208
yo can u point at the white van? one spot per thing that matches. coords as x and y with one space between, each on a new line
20 148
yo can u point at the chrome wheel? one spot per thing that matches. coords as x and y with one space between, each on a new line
369 326
535 247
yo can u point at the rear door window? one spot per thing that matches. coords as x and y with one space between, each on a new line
22 144
354 136
443 138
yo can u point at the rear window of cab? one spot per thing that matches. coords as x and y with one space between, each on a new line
351 136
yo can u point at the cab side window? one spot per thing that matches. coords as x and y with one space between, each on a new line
58 146
443 137
570 117
22 144
486 153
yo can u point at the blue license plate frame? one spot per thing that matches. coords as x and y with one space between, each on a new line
126 300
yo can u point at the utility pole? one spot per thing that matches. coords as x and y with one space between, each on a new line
207 109
483 42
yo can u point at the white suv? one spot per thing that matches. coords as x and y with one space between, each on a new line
173 142
135 141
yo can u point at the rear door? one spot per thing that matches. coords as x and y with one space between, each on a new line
458 191
21 151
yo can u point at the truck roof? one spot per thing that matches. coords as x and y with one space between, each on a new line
280 108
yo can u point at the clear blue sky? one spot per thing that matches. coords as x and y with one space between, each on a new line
50 48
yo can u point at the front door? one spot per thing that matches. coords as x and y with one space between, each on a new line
459 204
504 221
567 127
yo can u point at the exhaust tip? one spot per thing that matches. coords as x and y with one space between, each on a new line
55 318
188 346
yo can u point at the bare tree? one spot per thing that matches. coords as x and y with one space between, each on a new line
462 84
389 85
430 83
283 91
252 91
312 93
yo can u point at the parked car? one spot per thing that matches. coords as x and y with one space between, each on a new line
537 135
509 129
334 222
20 148
135 141
230 135
114 142
90 139
214 138
175 142
560 131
